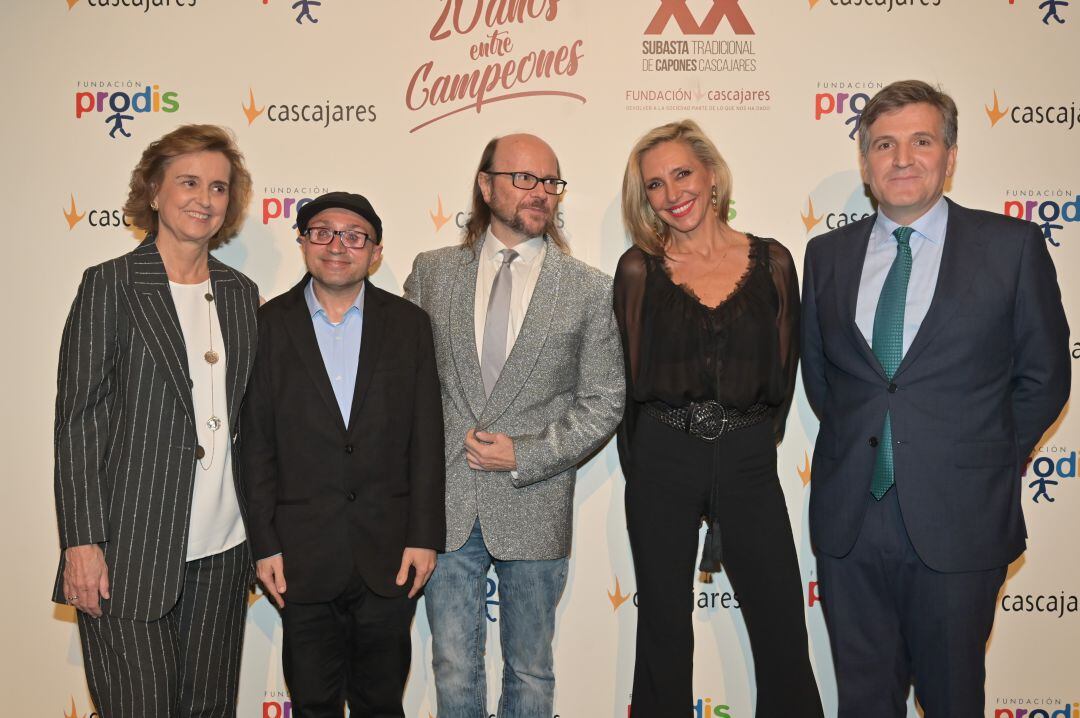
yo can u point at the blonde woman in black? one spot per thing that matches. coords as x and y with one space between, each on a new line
709 318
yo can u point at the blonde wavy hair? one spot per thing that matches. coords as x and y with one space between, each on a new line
644 226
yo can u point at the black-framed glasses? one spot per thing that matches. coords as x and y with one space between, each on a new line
527 180
350 238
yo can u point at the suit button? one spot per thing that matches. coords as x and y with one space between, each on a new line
892 388
873 441
199 452
351 496
348 448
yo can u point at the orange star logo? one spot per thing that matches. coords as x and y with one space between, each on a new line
808 219
804 470
253 597
996 112
72 3
437 217
618 598
72 215
74 711
250 110
813 3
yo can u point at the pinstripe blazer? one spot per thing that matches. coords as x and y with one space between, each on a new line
125 430
559 397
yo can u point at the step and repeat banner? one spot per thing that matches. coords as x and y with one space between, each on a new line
395 100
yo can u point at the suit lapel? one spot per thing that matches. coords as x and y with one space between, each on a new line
371 343
154 316
462 329
850 257
530 340
235 319
960 259
302 334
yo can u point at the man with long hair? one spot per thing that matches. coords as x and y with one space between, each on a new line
532 380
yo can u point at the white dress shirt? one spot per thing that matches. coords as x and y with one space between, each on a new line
927 242
524 270
215 524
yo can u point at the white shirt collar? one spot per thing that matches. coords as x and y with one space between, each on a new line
527 250
931 225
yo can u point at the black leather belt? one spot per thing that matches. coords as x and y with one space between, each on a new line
707 420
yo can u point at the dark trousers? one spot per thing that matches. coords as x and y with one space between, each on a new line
355 649
891 618
666 496
185 664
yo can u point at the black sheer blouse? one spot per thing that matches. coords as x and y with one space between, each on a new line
677 350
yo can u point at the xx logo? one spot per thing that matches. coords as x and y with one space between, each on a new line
678 11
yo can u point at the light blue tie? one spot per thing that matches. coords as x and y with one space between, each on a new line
888 345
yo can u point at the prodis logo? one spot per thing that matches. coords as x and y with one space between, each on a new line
705 708
886 5
1036 708
283 202
440 218
97 217
318 114
1050 10
1057 115
1051 209
843 100
277 704
1045 472
135 5
118 103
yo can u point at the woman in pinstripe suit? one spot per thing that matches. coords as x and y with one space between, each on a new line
154 360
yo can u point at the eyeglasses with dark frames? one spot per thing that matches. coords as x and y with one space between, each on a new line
527 180
350 238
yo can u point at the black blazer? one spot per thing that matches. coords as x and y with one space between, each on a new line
330 497
125 430
986 375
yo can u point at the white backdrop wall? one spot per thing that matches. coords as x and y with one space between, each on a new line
364 99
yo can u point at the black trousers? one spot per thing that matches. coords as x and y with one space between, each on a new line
666 496
354 649
183 665
891 618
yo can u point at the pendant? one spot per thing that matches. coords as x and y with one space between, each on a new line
213 423
211 357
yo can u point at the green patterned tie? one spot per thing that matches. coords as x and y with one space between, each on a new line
888 343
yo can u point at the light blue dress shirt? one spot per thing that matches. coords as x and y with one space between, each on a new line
927 242
339 345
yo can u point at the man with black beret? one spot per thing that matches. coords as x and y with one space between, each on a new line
342 467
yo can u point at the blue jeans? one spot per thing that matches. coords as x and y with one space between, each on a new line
455 598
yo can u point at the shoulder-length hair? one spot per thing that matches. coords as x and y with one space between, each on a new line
644 226
480 213
147 176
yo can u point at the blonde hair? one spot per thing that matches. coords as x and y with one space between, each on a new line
147 176
647 231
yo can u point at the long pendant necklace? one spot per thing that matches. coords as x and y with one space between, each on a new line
211 357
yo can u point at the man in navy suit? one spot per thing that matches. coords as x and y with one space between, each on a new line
935 353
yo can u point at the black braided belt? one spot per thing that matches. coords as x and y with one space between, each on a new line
707 420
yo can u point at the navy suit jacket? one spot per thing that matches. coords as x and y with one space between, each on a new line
987 373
